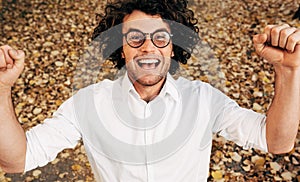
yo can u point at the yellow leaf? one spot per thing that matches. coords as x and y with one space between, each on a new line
217 175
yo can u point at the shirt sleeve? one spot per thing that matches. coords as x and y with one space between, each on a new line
242 126
46 140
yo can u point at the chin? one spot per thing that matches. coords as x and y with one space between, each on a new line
150 80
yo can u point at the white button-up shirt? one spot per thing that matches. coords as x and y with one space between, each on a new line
127 139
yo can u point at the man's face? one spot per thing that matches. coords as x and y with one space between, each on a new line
147 64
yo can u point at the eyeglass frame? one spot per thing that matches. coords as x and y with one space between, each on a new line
145 37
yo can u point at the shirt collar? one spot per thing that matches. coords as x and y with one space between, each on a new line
169 87
127 86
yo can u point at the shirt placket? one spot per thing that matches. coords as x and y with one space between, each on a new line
148 141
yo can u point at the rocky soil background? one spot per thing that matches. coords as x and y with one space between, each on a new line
56 36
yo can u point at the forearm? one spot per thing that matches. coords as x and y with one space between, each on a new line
284 113
12 136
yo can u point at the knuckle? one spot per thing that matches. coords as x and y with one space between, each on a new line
285 32
268 27
5 47
275 31
286 25
292 39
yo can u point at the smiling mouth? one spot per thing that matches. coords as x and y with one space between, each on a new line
148 63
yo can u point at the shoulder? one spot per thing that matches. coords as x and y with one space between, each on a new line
194 85
102 86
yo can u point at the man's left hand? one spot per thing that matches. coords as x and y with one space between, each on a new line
279 45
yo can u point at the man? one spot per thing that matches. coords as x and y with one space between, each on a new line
146 126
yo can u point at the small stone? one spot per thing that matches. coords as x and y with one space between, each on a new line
76 167
287 175
258 94
68 82
55 53
40 117
275 166
277 178
8 28
246 168
236 157
218 154
236 95
48 44
36 173
217 175
31 100
64 155
62 175
37 110
29 178
254 77
295 161
257 107
247 162
59 63
32 82
257 160
58 102
55 161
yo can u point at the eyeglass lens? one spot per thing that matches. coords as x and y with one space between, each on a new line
136 38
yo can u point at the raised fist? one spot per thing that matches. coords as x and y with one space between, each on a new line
11 65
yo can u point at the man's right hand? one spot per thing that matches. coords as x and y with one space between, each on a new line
12 136
11 65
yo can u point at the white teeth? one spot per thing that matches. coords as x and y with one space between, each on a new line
148 61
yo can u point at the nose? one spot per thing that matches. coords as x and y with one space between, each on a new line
148 45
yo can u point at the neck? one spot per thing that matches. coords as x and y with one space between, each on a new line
149 92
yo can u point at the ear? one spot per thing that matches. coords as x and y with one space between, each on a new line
172 54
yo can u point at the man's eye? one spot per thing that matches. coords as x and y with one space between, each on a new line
136 38
161 37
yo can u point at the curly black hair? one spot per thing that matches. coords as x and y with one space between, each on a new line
174 11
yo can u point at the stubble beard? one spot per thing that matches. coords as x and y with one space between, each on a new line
148 78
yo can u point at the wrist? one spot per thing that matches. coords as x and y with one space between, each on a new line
5 89
287 76
287 71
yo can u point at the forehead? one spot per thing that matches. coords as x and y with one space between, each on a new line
144 22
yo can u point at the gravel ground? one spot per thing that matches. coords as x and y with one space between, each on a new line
55 35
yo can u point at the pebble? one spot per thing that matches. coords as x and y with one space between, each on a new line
37 111
62 175
275 166
36 173
287 175
257 94
236 157
55 53
258 161
76 167
58 63
246 168
55 161
217 175
257 107
277 178
48 44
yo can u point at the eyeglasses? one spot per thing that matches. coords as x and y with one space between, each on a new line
136 38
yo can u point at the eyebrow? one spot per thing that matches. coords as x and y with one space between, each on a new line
135 29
